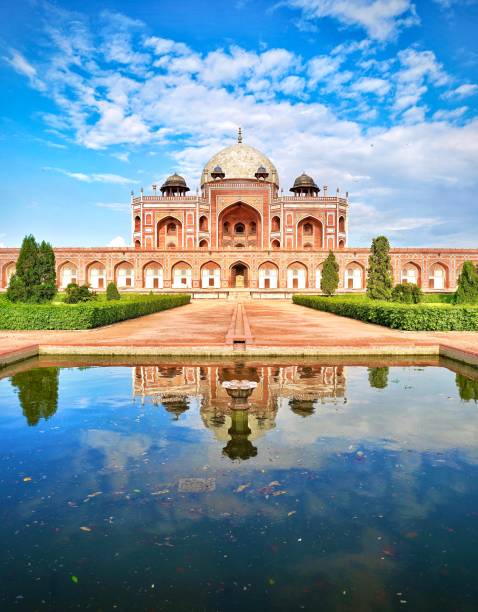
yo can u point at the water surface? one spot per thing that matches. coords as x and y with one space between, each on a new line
342 487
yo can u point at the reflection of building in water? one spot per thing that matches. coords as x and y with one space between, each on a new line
304 386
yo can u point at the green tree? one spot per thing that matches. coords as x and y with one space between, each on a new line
38 393
378 377
26 273
467 388
112 292
467 291
330 275
379 280
47 272
34 280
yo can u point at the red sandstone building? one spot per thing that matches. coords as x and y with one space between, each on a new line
240 234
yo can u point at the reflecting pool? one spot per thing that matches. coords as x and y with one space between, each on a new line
239 485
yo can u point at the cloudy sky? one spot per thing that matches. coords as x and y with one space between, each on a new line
375 97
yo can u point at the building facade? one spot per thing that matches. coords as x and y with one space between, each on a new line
240 234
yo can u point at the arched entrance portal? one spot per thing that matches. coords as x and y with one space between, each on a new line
239 275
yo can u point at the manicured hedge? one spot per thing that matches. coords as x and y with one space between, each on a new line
84 315
411 317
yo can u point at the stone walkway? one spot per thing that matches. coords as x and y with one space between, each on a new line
266 326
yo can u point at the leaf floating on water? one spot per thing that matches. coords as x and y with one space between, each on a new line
274 483
27 479
94 494
74 579
242 487
291 513
162 492
83 528
276 493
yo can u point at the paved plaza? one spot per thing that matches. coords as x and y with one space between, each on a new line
221 327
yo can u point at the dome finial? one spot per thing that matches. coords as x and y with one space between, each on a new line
239 135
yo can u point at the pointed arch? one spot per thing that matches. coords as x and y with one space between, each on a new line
211 275
153 275
67 273
96 275
181 275
411 273
310 232
169 233
239 223
8 271
239 273
124 275
297 275
354 275
439 275
268 275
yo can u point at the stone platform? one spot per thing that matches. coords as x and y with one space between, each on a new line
262 327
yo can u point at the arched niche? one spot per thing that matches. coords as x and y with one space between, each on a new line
297 276
268 275
181 275
211 275
169 233
96 275
310 233
411 274
67 274
153 275
239 223
124 275
354 276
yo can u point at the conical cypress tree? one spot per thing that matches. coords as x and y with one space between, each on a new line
47 273
34 280
330 275
467 292
26 274
379 279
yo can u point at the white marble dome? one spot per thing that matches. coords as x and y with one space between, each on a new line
240 161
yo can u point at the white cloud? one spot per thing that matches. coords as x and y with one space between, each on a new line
467 89
409 162
22 66
122 156
94 178
118 241
382 19
377 86
122 207
450 115
418 70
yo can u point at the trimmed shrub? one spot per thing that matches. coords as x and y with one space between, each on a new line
467 292
112 292
407 293
34 281
84 315
410 317
75 293
379 278
330 275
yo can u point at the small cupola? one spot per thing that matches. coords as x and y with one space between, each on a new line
174 185
261 173
217 173
304 185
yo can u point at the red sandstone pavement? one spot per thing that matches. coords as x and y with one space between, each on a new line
273 324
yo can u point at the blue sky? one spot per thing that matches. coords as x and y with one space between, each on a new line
375 97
